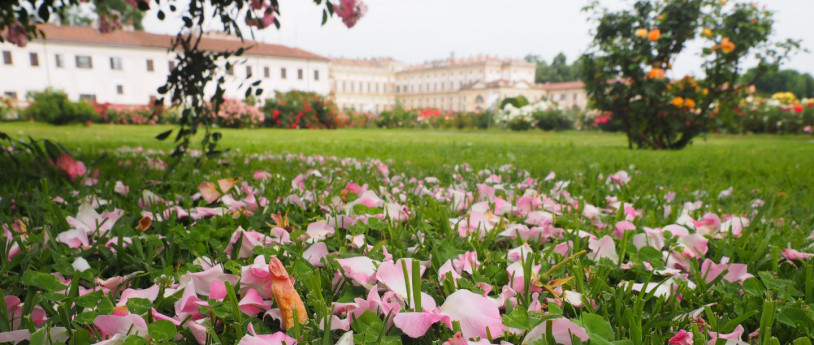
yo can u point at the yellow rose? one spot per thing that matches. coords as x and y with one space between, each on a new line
641 32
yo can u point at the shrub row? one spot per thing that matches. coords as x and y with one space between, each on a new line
296 109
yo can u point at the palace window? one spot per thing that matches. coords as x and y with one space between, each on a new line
299 73
35 59
7 57
150 65
116 63
84 61
58 59
282 73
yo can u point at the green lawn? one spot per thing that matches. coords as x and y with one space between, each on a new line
756 166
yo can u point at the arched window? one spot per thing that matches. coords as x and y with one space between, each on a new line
479 99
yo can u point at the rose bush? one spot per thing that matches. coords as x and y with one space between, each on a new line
627 71
298 109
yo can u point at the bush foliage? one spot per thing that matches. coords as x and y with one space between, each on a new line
54 107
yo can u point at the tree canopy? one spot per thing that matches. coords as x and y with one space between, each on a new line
558 71
771 82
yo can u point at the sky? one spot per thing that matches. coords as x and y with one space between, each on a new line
414 31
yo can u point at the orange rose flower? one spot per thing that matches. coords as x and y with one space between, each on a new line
727 46
689 103
706 32
656 73
654 34
678 102
641 32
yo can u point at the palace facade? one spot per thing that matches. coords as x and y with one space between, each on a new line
127 67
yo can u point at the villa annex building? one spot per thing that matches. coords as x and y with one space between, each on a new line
471 84
127 67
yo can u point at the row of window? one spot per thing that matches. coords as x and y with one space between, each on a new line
267 73
86 62
360 86
90 98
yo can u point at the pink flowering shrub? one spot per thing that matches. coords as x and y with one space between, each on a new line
127 114
238 114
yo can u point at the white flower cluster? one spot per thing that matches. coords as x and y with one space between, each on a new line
510 112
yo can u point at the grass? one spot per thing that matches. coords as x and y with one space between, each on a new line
775 168
419 219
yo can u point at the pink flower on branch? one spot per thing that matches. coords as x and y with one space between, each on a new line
351 11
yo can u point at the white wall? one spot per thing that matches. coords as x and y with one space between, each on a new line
138 83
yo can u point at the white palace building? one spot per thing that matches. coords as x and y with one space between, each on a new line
127 67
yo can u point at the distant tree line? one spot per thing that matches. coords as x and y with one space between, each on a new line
78 16
800 84
558 71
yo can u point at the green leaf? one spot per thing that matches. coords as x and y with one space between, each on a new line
139 305
797 318
135 340
52 150
89 300
650 254
753 286
86 318
162 330
163 135
80 337
518 318
38 337
105 306
43 281
801 341
368 323
599 331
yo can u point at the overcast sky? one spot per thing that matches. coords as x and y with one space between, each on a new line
414 31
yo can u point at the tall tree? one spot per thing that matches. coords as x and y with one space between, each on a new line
558 71
86 14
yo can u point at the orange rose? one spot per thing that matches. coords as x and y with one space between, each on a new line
656 73
706 32
654 34
641 32
727 46
678 102
689 103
